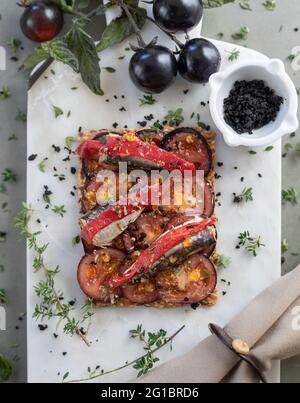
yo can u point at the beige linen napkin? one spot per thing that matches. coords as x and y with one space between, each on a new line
268 325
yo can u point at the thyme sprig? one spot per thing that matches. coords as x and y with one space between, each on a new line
251 244
174 117
51 305
245 196
149 340
290 196
157 341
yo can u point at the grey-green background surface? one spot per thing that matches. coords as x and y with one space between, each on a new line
274 33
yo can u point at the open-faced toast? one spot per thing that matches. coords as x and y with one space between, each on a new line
122 243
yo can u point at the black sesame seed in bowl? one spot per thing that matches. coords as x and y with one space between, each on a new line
254 103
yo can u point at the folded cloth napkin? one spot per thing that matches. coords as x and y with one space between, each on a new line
270 325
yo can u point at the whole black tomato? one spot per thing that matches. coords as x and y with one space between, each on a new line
177 15
198 60
153 69
42 21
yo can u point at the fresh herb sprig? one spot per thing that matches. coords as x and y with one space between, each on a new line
60 210
158 338
270 5
3 296
9 176
223 261
51 305
5 93
245 196
147 100
233 55
242 34
149 341
290 196
174 118
251 244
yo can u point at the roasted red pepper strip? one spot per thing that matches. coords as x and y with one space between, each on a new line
119 211
118 147
157 250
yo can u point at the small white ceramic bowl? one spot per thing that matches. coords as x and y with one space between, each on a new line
273 73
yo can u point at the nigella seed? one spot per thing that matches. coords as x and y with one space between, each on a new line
251 105
32 157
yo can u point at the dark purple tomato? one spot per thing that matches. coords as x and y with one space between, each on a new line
198 60
153 69
177 15
42 21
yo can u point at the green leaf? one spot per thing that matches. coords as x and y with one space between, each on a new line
60 52
57 111
67 6
216 3
120 29
6 369
269 148
38 56
83 46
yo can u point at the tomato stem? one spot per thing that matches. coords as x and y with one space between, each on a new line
171 36
132 22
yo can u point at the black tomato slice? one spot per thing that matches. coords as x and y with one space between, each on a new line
191 145
193 281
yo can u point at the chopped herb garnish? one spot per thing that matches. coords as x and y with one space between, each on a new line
3 299
291 57
156 127
233 55
60 210
3 188
5 93
109 69
57 111
70 140
290 196
245 5
223 261
250 243
284 246
42 165
12 137
245 196
269 148
270 5
6 369
242 34
15 44
76 240
9 176
293 147
175 118
147 100
21 116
